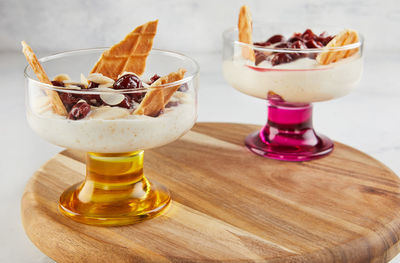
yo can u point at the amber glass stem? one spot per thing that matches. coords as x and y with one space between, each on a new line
114 192
113 176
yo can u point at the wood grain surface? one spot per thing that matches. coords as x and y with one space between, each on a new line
230 205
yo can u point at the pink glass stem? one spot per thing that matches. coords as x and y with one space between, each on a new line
289 134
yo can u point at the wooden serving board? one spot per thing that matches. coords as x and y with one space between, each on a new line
230 205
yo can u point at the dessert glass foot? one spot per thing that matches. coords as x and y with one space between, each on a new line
114 192
289 135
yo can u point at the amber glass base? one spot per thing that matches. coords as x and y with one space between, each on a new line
115 192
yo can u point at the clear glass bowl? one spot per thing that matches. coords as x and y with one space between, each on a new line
115 190
289 88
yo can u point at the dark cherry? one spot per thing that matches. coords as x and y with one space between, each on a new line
280 58
297 35
299 44
276 39
294 39
128 81
308 35
79 111
158 113
136 96
261 44
260 57
325 40
272 40
313 44
58 83
154 78
304 40
68 99
283 45
171 104
92 85
183 88
126 103
92 99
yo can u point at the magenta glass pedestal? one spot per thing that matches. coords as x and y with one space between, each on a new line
289 134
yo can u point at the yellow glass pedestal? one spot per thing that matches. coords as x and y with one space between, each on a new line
115 192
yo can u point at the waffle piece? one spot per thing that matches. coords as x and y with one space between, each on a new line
346 37
245 32
128 55
172 77
57 105
158 97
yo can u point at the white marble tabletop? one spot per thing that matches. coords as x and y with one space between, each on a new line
368 119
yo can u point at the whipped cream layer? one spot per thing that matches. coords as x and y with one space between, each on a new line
300 81
126 134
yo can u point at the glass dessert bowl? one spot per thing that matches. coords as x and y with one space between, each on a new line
103 120
290 73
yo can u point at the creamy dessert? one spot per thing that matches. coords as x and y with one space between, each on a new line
304 68
113 129
301 81
113 109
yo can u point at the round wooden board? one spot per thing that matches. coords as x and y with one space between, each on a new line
230 205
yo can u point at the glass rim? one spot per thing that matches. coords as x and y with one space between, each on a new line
184 80
227 32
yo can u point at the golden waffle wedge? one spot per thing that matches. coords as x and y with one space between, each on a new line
157 98
153 102
346 37
128 55
245 32
58 106
172 77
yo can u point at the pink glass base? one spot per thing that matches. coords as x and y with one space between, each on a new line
289 135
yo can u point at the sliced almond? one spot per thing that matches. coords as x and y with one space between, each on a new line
99 78
109 113
112 98
84 80
72 86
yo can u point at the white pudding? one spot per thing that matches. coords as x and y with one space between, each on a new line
300 81
107 135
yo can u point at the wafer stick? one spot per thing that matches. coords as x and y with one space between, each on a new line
57 105
245 32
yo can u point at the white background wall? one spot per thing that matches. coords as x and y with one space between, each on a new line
185 25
